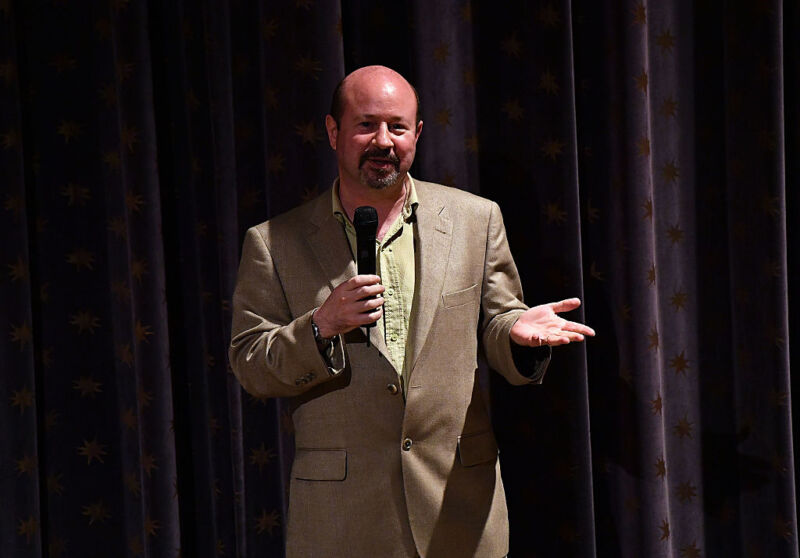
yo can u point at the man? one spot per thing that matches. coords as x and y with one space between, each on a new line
395 455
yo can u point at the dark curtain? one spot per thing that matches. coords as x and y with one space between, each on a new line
644 153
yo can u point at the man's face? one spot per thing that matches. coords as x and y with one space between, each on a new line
376 140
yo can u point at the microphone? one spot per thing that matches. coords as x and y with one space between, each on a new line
365 222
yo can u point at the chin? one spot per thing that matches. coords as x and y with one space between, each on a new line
381 183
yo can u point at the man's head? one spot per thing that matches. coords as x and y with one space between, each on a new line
373 127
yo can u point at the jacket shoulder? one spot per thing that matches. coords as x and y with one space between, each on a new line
453 198
294 219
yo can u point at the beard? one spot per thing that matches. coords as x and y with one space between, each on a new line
379 179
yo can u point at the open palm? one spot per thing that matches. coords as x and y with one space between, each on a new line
541 325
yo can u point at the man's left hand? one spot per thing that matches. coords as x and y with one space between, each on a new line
541 325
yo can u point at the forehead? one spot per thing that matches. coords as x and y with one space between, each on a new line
380 95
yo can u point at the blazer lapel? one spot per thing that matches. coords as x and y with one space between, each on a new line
433 236
329 243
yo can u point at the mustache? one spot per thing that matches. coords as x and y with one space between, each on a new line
379 154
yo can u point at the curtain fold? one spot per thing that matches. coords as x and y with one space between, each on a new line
644 155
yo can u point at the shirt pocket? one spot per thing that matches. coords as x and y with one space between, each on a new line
457 298
320 464
474 449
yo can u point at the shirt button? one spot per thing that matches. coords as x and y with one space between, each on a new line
394 338
392 389
390 292
407 444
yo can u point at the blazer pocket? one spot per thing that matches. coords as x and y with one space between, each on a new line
458 298
474 449
320 464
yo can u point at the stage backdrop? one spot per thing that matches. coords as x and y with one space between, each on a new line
644 153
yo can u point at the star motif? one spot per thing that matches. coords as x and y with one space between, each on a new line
14 204
651 275
548 16
17 271
641 81
144 397
9 139
26 465
151 526
308 67
783 528
468 76
85 321
261 456
653 339
683 429
133 202
135 545
472 143
770 205
56 546
81 259
142 331
51 419
108 94
648 209
131 481
511 45
22 399
592 213
112 160
271 98
129 136
666 41
548 83
96 512
596 273
443 117
661 468
75 194
513 110
275 163
552 148
92 450
304 4
308 133
139 269
118 227
87 386
69 130
664 530
441 53
675 234
287 424
625 311
54 485
669 107
639 14
670 172
644 146
678 300
121 290
129 419
655 404
28 528
124 71
555 214
466 12
148 461
267 522
686 491
680 363
690 551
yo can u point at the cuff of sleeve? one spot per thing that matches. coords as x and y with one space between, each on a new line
531 362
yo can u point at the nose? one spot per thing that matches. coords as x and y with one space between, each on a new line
382 138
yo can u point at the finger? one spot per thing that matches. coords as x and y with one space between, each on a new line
368 291
361 281
565 305
368 304
556 340
369 317
578 328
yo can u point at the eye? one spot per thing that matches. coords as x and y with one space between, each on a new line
397 127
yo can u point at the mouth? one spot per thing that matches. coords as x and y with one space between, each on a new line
380 162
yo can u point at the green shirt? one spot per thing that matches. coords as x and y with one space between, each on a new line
395 266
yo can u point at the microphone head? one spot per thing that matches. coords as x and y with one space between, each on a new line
365 218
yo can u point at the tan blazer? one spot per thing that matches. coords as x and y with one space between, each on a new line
374 475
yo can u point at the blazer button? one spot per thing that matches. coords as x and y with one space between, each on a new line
407 444
392 389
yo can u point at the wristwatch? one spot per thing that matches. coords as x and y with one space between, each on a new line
323 343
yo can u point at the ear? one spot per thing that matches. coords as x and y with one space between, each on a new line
419 130
333 130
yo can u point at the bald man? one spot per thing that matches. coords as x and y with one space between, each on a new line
395 455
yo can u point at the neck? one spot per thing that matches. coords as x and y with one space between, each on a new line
388 202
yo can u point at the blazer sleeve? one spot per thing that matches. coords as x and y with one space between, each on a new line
271 353
502 305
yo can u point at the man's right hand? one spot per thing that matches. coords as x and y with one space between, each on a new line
351 305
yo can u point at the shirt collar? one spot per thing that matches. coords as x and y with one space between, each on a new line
408 207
